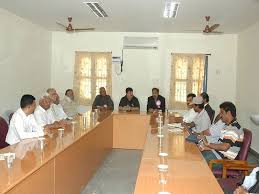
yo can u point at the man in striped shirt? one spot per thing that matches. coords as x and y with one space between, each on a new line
231 136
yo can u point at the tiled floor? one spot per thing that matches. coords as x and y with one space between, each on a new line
117 175
252 159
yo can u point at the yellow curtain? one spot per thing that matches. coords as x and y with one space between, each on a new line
187 74
92 71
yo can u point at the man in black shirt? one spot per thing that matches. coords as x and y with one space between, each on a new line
129 102
155 102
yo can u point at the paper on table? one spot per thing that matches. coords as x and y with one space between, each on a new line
175 130
2 157
175 125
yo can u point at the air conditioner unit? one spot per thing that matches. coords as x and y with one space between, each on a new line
140 42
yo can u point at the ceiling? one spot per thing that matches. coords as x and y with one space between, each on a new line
138 15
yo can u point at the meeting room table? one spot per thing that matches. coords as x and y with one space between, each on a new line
66 159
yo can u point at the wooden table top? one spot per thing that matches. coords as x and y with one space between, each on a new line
30 156
187 173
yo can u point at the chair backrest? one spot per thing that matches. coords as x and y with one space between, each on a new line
217 118
243 153
212 116
3 132
10 117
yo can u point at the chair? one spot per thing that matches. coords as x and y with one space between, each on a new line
217 118
230 184
10 116
212 116
3 133
239 162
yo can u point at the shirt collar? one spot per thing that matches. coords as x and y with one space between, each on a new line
233 122
42 109
68 99
201 112
128 99
192 110
22 113
55 105
156 98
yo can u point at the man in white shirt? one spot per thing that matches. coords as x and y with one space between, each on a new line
56 107
44 115
250 183
202 120
68 103
191 114
23 124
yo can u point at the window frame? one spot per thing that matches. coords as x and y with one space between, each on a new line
79 77
181 105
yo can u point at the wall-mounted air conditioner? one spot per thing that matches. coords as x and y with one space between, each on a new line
140 42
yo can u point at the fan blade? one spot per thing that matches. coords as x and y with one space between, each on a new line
213 27
192 31
84 29
61 25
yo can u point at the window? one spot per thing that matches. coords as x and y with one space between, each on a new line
92 71
187 75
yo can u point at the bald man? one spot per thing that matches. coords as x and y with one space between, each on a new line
55 106
103 101
44 116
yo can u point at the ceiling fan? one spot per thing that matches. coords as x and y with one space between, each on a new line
208 29
70 28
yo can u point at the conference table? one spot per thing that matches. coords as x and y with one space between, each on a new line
65 160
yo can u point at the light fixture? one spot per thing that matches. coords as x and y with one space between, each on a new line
96 8
171 9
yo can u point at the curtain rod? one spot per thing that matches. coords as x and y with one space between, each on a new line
207 54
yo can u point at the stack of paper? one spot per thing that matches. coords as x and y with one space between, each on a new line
175 125
175 130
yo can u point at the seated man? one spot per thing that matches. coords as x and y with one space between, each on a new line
202 120
191 114
68 103
44 116
103 101
207 107
55 106
231 136
250 183
129 102
23 124
155 102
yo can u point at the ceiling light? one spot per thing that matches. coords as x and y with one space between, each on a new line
171 9
96 8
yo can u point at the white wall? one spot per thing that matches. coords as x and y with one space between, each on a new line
25 58
247 74
144 69
222 62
